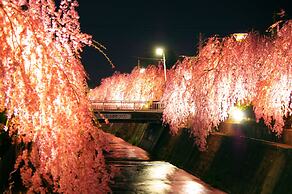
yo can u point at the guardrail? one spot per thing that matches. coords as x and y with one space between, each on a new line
127 105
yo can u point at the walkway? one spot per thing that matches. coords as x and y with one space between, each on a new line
137 174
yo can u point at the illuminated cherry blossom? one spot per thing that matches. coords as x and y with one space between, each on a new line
147 85
203 89
255 71
43 92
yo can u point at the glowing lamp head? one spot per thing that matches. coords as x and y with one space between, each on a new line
236 114
239 37
142 70
159 51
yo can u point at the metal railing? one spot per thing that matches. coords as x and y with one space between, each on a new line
127 105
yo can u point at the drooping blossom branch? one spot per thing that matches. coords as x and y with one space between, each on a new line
146 85
42 90
256 71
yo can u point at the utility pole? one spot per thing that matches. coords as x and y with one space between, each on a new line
138 62
200 41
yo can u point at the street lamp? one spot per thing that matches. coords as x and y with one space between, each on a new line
160 52
239 37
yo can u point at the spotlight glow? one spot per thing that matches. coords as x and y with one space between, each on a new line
236 114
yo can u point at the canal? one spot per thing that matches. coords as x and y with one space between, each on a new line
135 172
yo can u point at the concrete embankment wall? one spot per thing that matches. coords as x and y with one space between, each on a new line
231 163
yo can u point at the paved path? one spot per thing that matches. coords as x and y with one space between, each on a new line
137 174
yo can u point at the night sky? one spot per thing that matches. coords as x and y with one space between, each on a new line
132 29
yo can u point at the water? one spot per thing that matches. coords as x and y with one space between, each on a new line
138 174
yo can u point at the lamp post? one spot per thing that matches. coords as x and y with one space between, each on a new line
160 52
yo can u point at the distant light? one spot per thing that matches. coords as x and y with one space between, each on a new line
159 51
236 114
142 70
239 37
146 106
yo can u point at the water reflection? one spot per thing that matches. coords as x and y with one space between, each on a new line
136 174
157 186
193 187
160 170
156 177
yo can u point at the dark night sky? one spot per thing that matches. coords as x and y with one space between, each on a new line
131 29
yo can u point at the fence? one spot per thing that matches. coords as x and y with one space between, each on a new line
127 105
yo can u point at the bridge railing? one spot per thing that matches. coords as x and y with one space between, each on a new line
127 105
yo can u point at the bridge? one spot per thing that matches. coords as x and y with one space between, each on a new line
137 111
